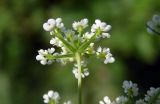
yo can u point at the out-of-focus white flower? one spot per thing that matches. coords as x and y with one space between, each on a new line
51 23
80 24
68 102
106 100
105 53
140 102
84 73
42 56
101 27
150 93
130 88
51 96
121 100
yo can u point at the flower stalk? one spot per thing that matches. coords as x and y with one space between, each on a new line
78 59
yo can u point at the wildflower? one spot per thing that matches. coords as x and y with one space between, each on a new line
84 73
151 93
130 88
75 41
51 23
105 54
80 24
101 28
56 42
42 57
90 49
140 102
106 100
51 96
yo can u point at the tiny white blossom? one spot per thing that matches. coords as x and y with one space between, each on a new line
140 102
84 72
102 27
121 100
106 100
90 49
87 35
52 23
130 88
49 25
51 96
42 56
105 53
56 42
152 92
83 24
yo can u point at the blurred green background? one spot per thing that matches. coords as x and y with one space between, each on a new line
23 80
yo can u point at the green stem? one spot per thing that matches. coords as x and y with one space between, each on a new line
78 58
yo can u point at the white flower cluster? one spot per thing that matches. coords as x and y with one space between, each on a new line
101 27
152 96
84 73
42 56
56 42
52 23
80 24
141 101
51 96
105 53
151 93
73 41
130 88
119 100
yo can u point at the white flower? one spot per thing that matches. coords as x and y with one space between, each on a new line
51 23
56 42
87 36
105 53
130 88
90 49
82 24
106 100
42 56
121 100
51 96
102 27
68 102
106 35
84 73
140 102
152 92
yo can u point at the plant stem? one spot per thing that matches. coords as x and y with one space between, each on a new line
78 58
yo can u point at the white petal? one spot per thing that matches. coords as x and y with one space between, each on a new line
50 93
43 62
